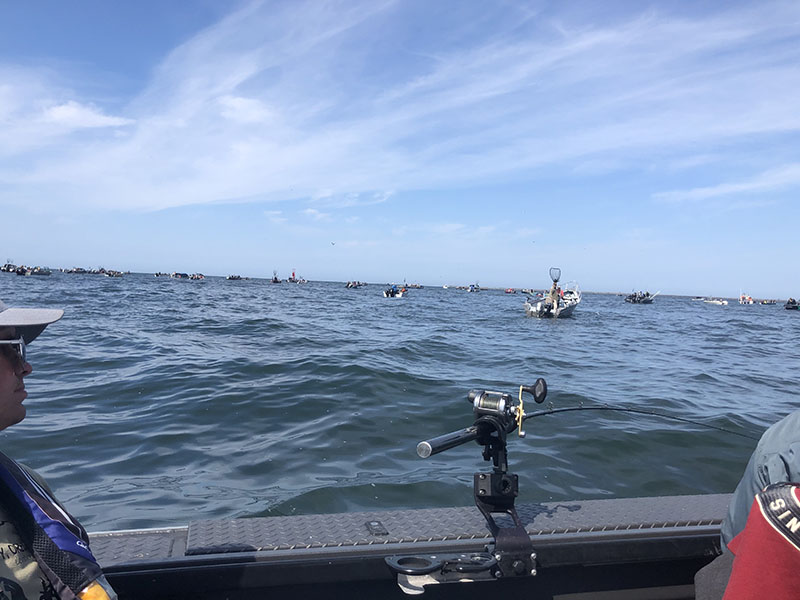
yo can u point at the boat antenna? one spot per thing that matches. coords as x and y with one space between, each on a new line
555 274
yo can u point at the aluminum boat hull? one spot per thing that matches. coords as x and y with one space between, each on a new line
645 548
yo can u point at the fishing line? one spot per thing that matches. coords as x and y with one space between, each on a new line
551 411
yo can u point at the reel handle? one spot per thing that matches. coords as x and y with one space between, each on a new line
538 390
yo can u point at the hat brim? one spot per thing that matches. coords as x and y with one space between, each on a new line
29 322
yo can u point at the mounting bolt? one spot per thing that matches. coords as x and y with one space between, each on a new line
533 555
497 557
533 572
482 476
481 492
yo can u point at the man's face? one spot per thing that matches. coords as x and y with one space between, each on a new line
12 388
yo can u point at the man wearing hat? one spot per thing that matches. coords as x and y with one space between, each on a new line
44 551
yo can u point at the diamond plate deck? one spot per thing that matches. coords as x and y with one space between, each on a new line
465 523
388 528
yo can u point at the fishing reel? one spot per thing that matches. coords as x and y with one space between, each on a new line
511 553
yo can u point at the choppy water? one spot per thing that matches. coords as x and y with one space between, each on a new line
157 401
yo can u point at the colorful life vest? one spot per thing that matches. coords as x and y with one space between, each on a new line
767 551
56 539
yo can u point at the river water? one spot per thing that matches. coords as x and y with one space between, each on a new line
154 401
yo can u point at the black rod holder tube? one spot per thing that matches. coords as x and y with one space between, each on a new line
446 441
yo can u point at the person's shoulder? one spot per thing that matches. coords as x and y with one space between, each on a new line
782 432
789 424
36 477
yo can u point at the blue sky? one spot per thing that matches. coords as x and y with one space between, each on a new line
634 145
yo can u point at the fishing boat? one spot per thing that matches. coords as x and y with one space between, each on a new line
615 549
718 301
569 298
791 304
395 292
745 299
295 279
641 297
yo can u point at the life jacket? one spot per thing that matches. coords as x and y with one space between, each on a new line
767 551
56 539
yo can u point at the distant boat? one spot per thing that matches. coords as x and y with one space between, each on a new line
275 278
745 299
395 292
567 304
641 297
718 301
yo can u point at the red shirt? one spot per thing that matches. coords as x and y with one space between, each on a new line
767 553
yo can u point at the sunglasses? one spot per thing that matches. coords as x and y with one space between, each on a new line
15 350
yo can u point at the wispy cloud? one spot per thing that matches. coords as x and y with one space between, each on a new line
351 200
245 110
72 115
768 181
526 232
324 100
313 213
275 216
447 228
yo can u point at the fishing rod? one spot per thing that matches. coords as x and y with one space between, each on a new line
640 411
511 553
504 407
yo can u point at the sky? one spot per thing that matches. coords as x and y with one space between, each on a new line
634 145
